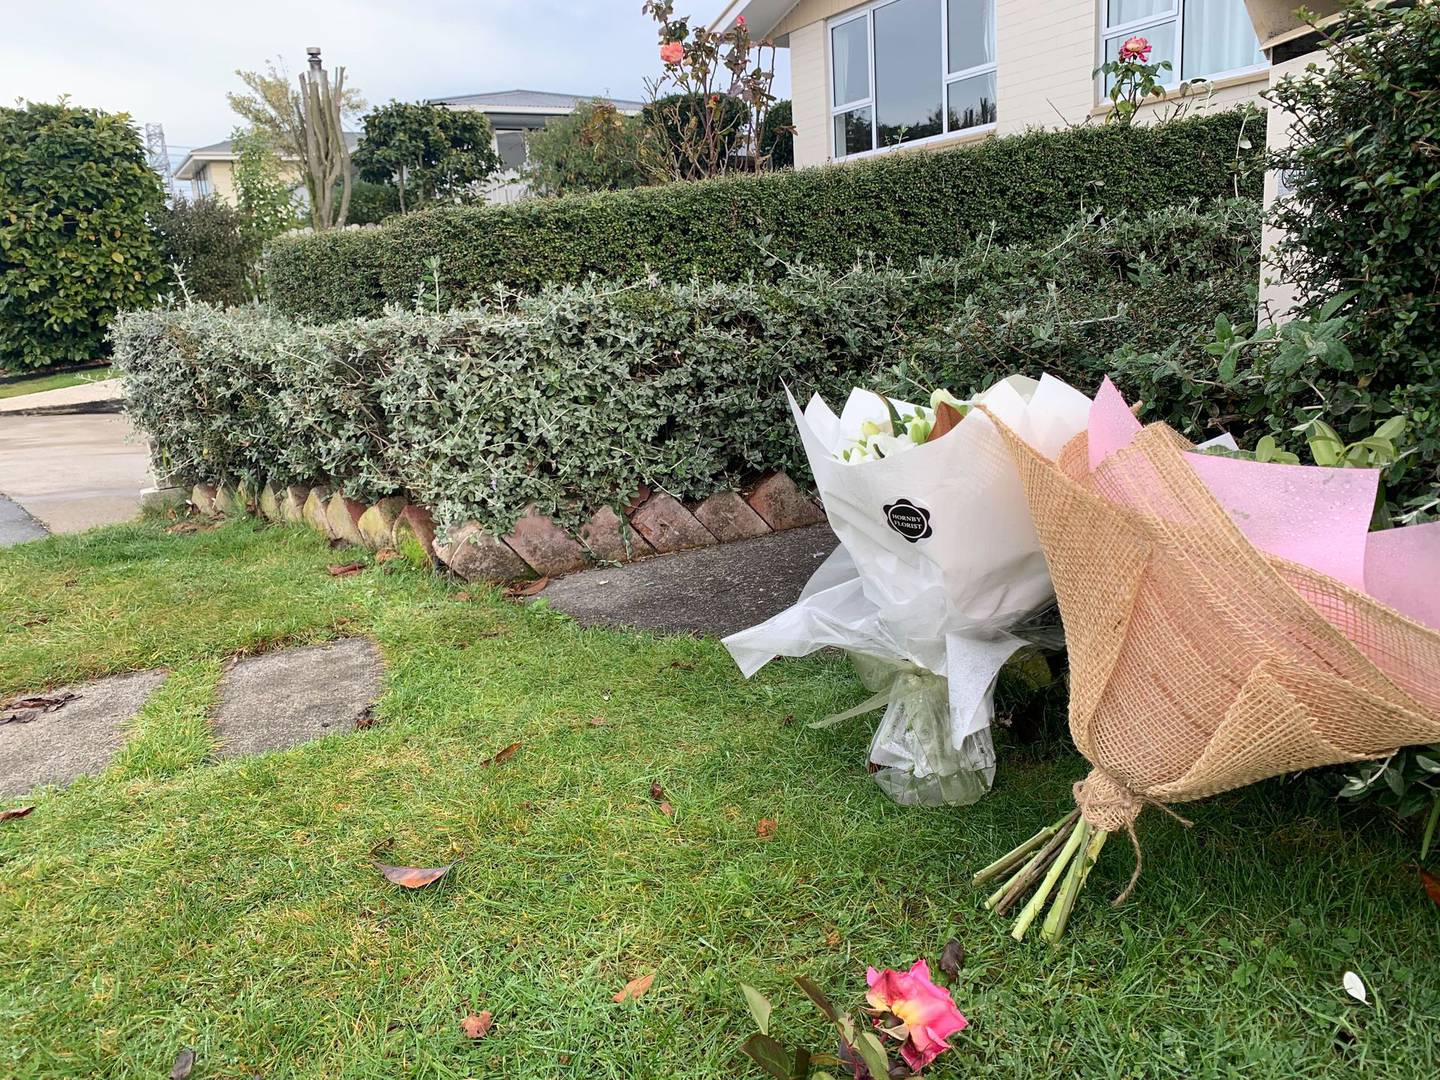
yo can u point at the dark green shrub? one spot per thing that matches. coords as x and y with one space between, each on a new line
75 244
428 153
205 243
1363 226
371 204
777 136
905 207
575 396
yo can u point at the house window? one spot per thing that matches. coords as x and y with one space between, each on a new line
1202 39
903 71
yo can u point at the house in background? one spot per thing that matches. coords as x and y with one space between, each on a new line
513 114
211 170
867 78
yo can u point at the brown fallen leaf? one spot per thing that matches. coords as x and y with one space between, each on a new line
24 710
952 959
412 877
15 812
634 988
184 1063
461 596
477 1025
1431 883
527 588
787 720
946 417
677 665
385 555
502 757
832 938
366 720
598 721
346 570
657 795
183 527
765 828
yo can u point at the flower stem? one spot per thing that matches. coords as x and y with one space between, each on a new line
1017 886
1013 858
1042 894
1059 914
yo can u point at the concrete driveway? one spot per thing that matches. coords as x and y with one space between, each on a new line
71 471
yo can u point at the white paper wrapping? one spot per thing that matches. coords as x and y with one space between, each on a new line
937 560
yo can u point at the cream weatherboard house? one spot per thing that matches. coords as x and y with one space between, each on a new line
867 78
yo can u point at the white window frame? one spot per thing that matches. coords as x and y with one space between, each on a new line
867 12
1175 14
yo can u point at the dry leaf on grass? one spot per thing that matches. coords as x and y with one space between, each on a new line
527 588
346 570
184 1063
477 1025
598 721
634 988
366 720
502 757
765 828
412 877
657 795
15 812
385 555
953 958
462 596
1431 884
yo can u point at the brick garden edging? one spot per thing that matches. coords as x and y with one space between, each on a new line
536 547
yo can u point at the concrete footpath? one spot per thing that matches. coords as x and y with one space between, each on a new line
71 471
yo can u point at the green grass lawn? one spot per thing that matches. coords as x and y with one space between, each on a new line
33 384
232 907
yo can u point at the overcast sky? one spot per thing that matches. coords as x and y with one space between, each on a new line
173 62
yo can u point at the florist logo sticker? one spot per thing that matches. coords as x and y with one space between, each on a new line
910 521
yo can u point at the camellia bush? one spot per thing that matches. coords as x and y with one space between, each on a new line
575 396
903 208
76 196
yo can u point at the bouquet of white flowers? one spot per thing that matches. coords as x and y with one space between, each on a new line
938 562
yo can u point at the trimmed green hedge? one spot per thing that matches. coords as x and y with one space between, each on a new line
578 395
903 207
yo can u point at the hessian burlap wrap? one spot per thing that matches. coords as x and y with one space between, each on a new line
1199 664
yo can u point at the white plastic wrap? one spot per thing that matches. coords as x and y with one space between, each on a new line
938 559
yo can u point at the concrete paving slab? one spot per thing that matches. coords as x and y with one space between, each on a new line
16 526
73 472
76 739
713 590
282 699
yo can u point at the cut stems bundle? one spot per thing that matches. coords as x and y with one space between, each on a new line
1066 849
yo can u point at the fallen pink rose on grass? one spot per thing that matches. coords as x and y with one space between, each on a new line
926 1013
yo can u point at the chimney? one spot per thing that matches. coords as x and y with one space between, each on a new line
314 53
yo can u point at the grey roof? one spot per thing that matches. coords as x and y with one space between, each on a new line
522 100
224 149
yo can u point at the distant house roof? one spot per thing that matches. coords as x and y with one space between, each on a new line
527 108
225 151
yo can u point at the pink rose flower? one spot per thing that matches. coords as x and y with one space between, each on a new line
672 52
926 1011
739 20
1135 48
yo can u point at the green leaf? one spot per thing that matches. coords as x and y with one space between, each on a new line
815 994
759 1006
768 1054
872 1052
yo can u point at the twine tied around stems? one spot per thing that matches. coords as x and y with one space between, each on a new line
1109 805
